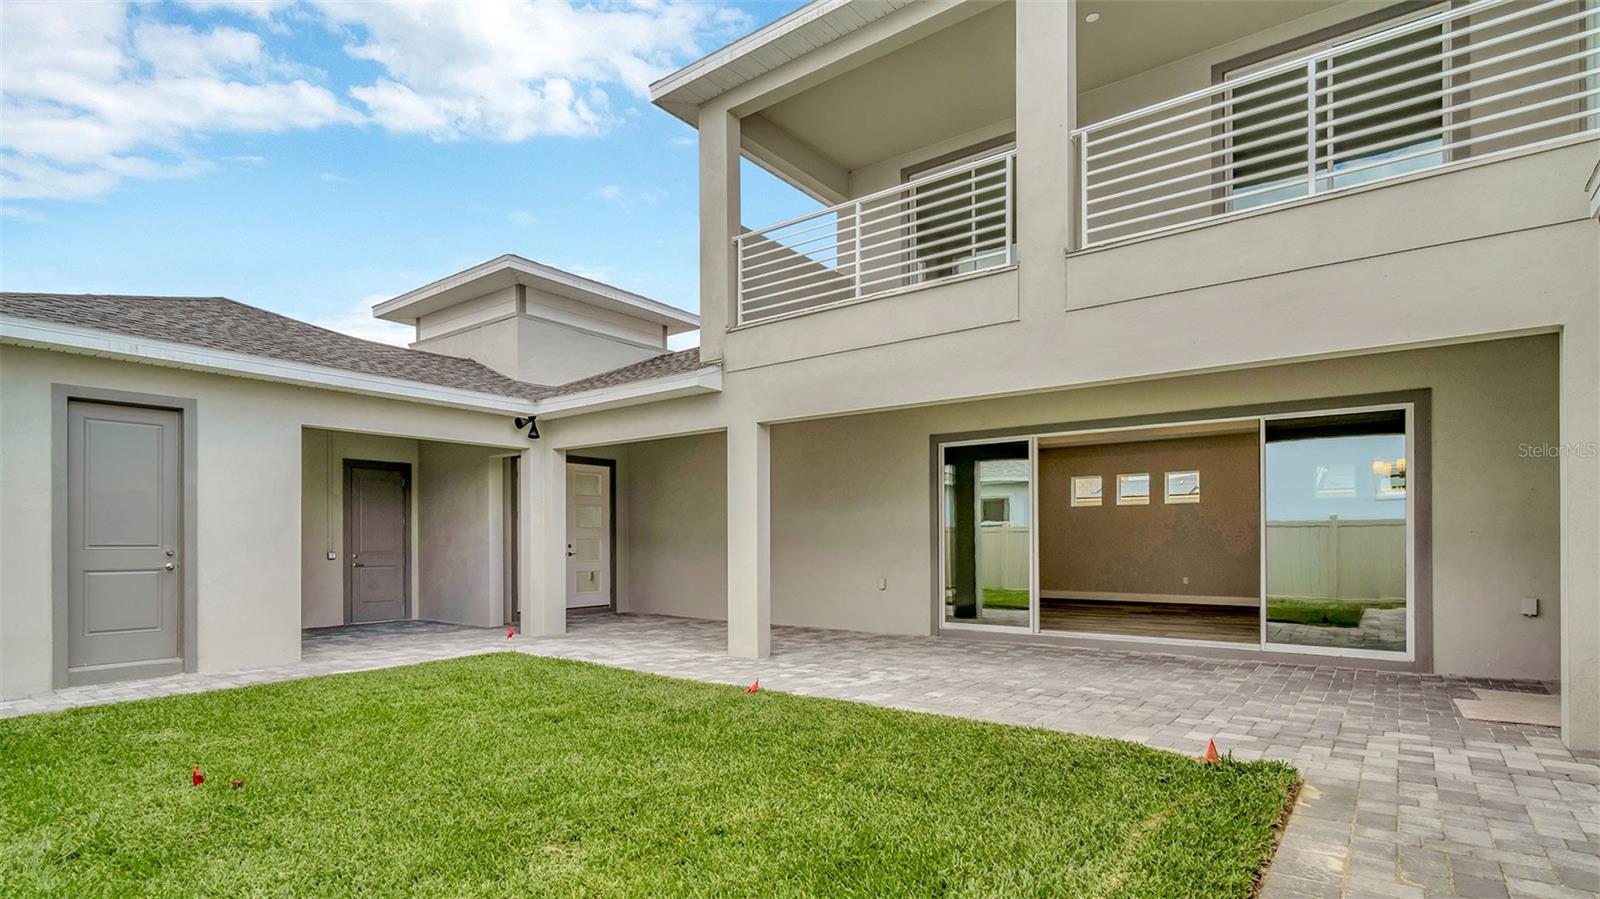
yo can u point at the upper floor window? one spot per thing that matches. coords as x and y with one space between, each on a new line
961 222
1342 117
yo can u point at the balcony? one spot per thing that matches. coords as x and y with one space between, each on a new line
1433 89
951 223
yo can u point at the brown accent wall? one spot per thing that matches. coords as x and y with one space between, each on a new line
1150 549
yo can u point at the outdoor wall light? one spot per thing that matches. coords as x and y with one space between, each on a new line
531 423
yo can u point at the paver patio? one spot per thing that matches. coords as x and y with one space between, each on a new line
1404 797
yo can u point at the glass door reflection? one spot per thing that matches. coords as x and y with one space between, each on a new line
988 542
1337 537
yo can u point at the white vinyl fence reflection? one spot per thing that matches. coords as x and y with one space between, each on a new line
1335 559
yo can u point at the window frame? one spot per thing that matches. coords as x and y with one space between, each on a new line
1328 38
1181 499
1132 499
1084 501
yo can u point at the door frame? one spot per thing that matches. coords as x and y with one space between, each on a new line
350 465
60 515
511 538
611 521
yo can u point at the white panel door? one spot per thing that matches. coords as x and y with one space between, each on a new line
588 535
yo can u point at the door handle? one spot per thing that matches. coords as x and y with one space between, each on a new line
357 565
570 553
170 566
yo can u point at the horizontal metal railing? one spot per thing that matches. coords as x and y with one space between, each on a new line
952 222
1445 87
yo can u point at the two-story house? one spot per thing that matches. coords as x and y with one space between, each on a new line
1278 321
1263 330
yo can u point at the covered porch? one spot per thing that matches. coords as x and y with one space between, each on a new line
396 528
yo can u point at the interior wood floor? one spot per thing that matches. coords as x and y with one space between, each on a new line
1170 620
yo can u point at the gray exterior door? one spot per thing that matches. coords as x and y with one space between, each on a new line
377 505
125 508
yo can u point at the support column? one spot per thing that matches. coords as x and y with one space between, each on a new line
1047 203
542 516
719 224
1580 533
749 541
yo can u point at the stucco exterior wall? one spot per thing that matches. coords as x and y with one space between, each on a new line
460 577
675 503
249 498
494 343
851 502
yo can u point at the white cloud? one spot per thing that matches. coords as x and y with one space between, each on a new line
515 69
522 217
104 93
331 178
21 214
620 196
107 91
179 50
357 321
259 9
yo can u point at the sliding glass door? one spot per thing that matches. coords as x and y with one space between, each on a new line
1337 523
987 535
1291 532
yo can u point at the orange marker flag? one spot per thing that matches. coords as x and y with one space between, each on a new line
1211 757
755 687
198 777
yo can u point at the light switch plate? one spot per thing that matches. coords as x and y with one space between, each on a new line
333 557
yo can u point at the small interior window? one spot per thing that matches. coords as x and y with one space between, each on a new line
1133 489
1183 486
1086 490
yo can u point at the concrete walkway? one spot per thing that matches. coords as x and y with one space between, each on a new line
1404 797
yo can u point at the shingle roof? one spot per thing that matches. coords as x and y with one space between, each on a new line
222 324
648 370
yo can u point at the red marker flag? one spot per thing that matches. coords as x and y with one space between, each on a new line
510 632
198 777
1211 757
755 687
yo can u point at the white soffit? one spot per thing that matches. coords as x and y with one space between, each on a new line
796 34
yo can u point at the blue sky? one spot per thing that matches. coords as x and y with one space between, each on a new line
314 158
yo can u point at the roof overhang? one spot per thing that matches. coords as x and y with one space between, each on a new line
123 347
508 270
111 345
761 51
707 379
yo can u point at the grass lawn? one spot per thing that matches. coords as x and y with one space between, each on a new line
1326 612
510 775
996 598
